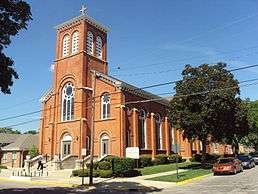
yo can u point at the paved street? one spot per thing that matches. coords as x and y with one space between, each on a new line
245 182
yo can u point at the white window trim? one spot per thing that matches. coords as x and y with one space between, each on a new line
89 48
75 42
71 116
145 129
99 45
65 45
104 137
106 104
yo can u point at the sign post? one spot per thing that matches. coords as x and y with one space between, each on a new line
134 153
176 149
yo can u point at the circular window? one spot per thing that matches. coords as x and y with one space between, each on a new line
69 90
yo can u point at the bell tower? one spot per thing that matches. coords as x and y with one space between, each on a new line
81 46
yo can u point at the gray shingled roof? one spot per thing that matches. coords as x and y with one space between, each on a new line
8 138
24 142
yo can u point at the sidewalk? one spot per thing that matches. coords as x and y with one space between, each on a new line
133 184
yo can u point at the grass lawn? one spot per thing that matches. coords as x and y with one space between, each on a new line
162 168
191 173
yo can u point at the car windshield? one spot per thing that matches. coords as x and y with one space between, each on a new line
225 160
243 158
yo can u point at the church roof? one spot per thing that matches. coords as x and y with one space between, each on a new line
89 19
22 142
132 89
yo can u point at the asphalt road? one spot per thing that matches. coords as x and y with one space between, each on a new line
244 183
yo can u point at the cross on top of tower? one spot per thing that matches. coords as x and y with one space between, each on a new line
83 10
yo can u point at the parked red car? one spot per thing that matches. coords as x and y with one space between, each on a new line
227 166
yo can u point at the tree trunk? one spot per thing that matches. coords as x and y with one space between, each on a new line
235 146
256 147
204 143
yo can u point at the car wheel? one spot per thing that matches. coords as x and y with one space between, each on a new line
215 174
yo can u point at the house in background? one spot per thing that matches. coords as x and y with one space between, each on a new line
14 154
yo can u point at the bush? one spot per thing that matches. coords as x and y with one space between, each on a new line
132 173
160 159
3 167
95 165
105 165
110 158
83 173
210 158
105 173
172 158
75 172
145 160
95 173
122 165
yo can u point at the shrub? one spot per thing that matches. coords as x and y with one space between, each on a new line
172 158
145 160
75 172
95 173
3 167
132 173
210 158
33 151
95 165
105 173
160 159
122 165
105 165
110 158
83 173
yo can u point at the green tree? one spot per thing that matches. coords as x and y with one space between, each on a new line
14 16
9 130
204 103
251 139
33 151
31 132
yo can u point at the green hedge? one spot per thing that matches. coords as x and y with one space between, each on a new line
172 158
122 165
210 158
105 173
105 165
145 160
160 159
3 167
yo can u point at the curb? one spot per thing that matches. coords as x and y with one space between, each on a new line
192 179
39 182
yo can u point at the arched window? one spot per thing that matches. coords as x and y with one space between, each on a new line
66 45
68 102
99 47
75 42
158 131
142 129
105 106
89 43
104 147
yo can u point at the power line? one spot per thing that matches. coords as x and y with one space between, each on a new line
200 34
181 60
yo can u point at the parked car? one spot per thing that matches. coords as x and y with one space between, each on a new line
255 157
227 166
247 161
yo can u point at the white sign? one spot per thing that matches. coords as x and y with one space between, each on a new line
132 152
84 151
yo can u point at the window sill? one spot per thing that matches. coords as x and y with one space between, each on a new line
107 119
74 120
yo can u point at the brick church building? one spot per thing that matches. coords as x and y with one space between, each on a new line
124 115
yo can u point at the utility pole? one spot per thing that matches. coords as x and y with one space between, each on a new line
92 127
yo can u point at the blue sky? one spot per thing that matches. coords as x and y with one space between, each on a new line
150 41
